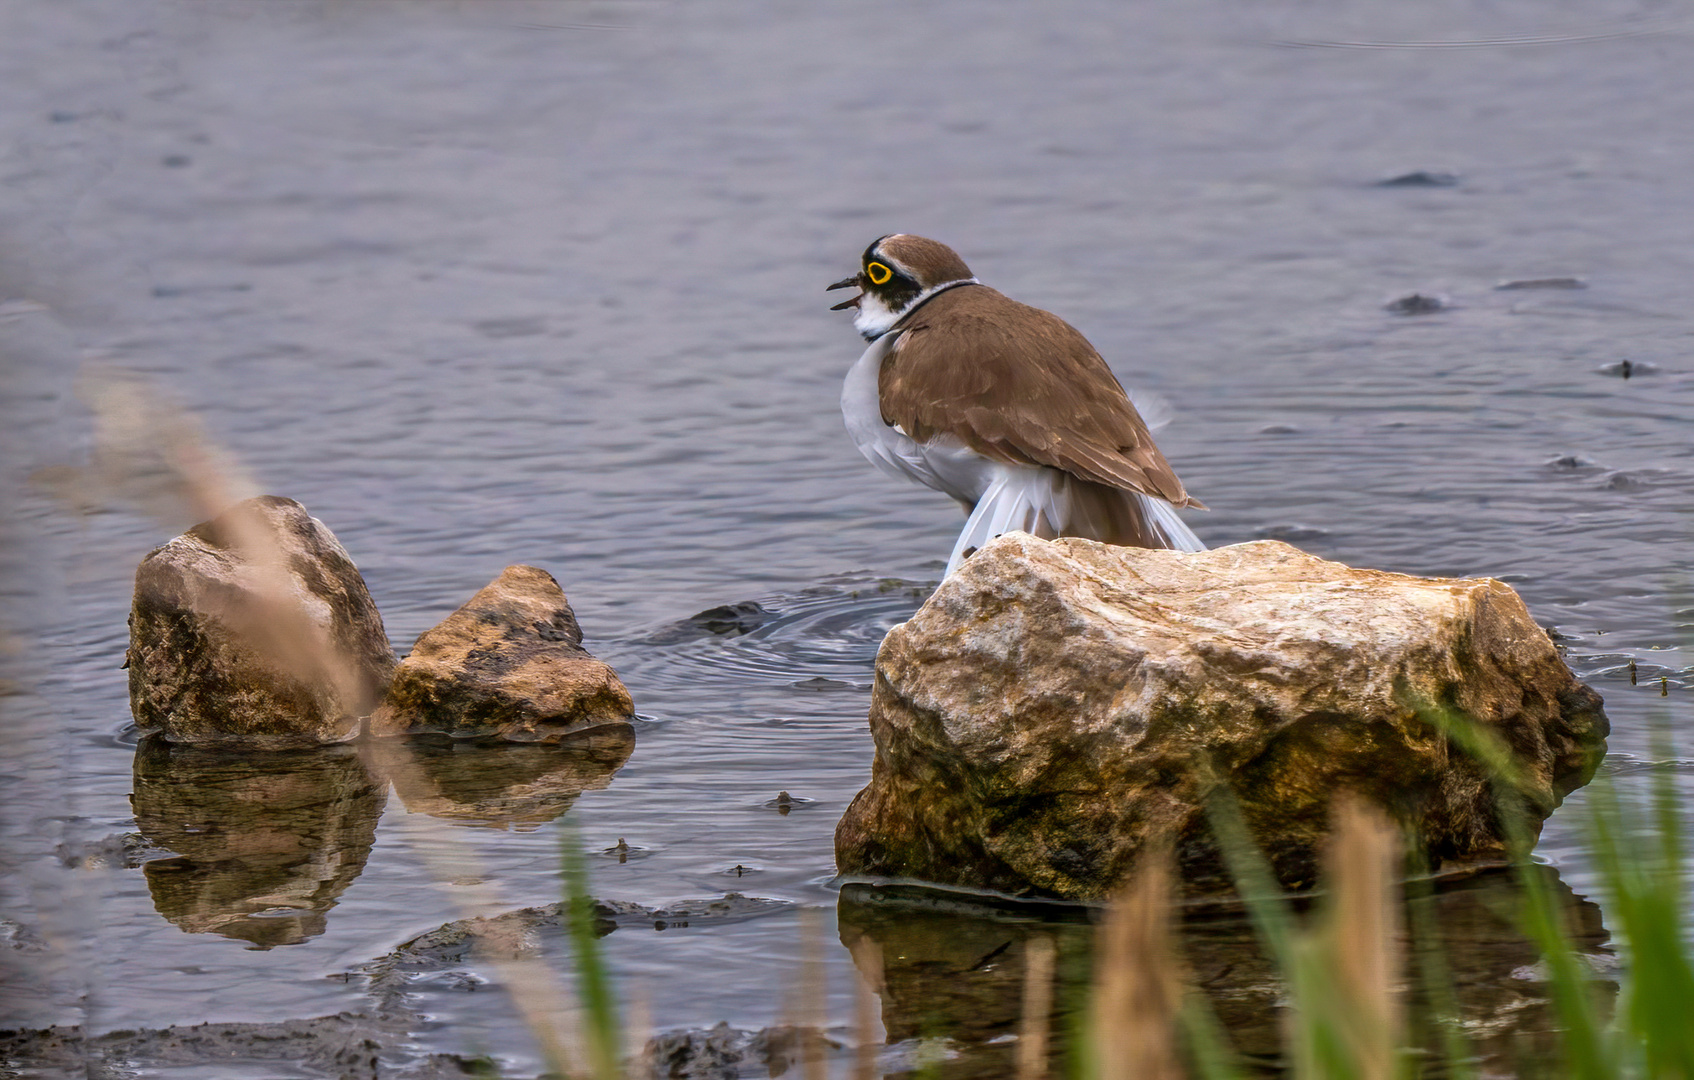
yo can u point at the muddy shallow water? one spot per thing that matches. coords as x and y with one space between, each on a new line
543 282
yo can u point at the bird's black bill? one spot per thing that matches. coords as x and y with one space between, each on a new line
846 283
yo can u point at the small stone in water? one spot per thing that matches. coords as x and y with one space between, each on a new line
1417 304
1290 533
1420 178
1628 369
1543 283
1622 481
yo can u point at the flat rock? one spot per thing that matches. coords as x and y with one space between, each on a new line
254 630
508 665
461 946
1057 706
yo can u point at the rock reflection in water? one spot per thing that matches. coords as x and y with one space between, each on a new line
264 843
502 785
956 965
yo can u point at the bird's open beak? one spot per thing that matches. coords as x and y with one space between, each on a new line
846 283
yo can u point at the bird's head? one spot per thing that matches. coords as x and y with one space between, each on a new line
898 272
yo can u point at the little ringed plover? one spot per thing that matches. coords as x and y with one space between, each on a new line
1005 407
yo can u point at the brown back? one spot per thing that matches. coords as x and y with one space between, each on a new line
1019 384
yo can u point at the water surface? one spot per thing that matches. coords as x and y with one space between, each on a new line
543 282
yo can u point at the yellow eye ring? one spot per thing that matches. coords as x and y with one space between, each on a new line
878 273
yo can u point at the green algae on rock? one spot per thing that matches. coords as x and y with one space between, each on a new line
508 665
255 630
1057 706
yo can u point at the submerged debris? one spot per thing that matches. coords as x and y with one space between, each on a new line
1543 283
725 620
1290 533
449 948
1417 304
1420 178
1628 369
721 1052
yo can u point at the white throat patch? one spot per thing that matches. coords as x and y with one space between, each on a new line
875 318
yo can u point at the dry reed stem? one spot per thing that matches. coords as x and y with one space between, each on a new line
638 1048
867 959
813 1004
152 454
1137 981
1361 935
1038 953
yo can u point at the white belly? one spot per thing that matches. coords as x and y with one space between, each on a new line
998 496
944 463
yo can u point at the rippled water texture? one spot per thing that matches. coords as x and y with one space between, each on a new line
543 282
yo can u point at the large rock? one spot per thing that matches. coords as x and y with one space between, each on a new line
1056 706
508 665
255 630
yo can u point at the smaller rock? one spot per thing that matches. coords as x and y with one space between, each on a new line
254 630
508 665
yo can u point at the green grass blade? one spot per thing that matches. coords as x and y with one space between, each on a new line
1210 1054
594 983
1272 916
1262 894
1430 954
1589 1054
1639 851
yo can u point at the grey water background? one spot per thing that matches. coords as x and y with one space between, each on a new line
497 282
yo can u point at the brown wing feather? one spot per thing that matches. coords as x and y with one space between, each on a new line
1019 384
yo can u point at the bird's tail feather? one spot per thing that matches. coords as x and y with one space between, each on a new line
1049 504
